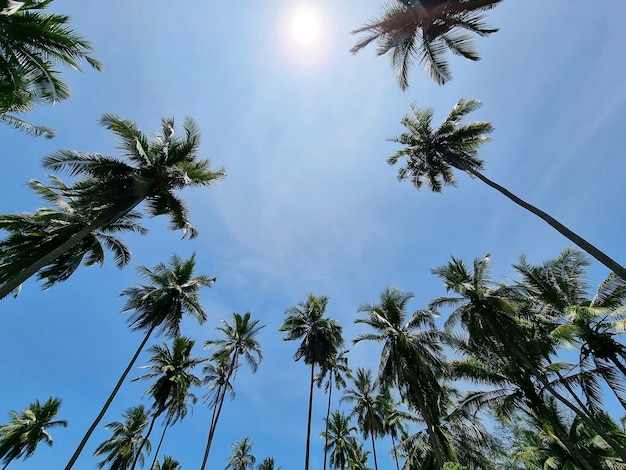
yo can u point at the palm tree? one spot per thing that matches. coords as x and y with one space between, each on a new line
393 420
32 44
431 155
20 436
240 340
112 187
28 232
268 464
338 439
411 359
241 458
168 464
357 459
366 406
423 30
522 351
321 339
560 286
122 447
336 371
170 391
172 291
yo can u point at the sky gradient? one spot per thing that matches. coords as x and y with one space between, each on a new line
309 203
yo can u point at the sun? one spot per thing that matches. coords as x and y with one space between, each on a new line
305 26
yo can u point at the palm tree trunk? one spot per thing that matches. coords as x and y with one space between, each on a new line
104 219
559 227
109 400
156 453
216 414
373 444
395 451
308 432
136 459
330 393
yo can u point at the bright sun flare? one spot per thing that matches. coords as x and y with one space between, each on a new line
304 26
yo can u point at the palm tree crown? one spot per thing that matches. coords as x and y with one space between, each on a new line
423 30
112 187
32 43
20 436
241 457
431 155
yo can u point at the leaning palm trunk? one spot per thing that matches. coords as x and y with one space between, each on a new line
217 410
63 246
373 443
156 453
555 224
144 440
109 400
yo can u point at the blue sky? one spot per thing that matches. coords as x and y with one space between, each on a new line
309 204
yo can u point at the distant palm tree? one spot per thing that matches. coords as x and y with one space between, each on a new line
411 359
366 408
393 420
172 370
239 340
335 371
172 291
268 464
432 155
28 232
168 464
424 30
241 458
122 447
357 459
20 436
32 44
321 340
112 187
338 439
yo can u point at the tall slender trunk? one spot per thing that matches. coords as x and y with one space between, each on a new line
156 453
217 411
54 253
109 400
431 430
308 432
395 451
330 393
136 459
373 444
559 227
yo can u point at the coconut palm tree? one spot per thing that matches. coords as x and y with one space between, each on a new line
20 436
168 464
357 459
112 187
122 447
411 360
560 286
337 437
423 31
268 464
523 350
393 420
239 340
241 458
367 410
33 43
28 232
321 340
172 292
172 370
432 155
335 371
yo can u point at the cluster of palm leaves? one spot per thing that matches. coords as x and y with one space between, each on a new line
507 339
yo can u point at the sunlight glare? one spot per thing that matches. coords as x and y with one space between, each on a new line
305 26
